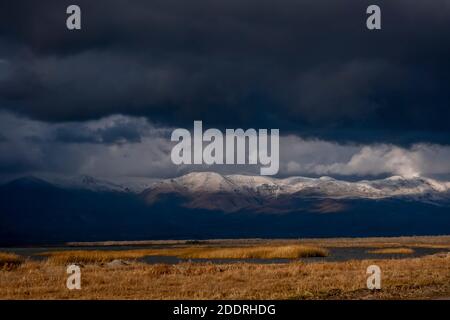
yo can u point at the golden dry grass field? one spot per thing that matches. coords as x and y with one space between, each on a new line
392 251
200 252
425 277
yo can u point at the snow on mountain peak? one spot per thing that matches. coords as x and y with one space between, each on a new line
245 188
213 190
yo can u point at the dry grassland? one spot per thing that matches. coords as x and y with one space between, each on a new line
392 251
425 277
258 252
406 278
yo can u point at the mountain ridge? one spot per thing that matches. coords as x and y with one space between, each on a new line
230 193
233 193
34 211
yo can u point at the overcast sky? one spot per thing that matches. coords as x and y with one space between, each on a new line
104 100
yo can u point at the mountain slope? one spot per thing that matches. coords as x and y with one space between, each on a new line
208 205
232 193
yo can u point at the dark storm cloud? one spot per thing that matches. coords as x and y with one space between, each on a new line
111 146
77 134
115 129
309 67
120 132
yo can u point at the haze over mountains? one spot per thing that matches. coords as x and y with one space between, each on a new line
211 205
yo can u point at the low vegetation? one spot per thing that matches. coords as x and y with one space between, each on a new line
425 277
392 251
197 252
259 252
404 278
93 256
434 242
430 242
9 260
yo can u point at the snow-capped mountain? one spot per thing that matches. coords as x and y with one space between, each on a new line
210 205
209 190
230 193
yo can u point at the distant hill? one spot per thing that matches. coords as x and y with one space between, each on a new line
208 190
209 205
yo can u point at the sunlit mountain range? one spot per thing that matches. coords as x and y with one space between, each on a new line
211 205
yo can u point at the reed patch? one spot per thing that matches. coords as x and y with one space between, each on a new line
197 252
10 261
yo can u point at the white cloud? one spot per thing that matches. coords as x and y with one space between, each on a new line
327 158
